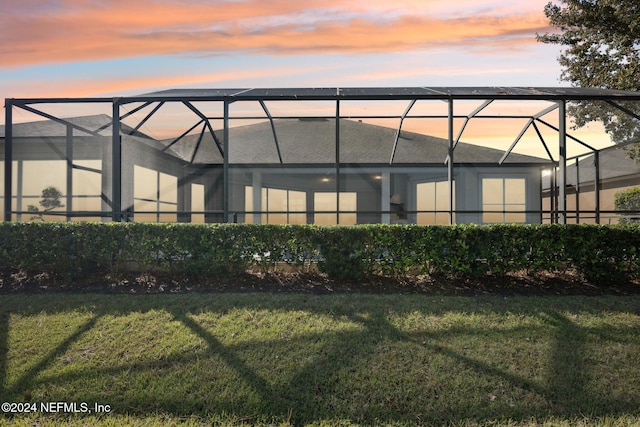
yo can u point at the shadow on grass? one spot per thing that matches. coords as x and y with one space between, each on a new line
373 372
231 358
569 370
24 382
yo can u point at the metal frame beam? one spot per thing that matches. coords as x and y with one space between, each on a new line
124 116
573 138
623 109
515 142
197 147
185 133
530 122
56 119
147 117
468 118
273 128
397 138
544 144
206 120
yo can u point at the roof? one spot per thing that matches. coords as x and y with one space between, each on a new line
614 163
312 141
357 93
88 126
489 92
100 123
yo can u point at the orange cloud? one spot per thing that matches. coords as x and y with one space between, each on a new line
78 88
80 31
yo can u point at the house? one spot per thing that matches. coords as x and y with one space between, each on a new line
291 180
294 181
285 161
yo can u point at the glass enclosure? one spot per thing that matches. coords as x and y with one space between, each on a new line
403 156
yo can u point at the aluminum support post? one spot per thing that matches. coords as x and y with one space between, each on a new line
69 156
450 164
226 190
116 164
596 184
562 173
8 157
338 162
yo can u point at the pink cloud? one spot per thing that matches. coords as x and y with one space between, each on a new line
108 86
80 31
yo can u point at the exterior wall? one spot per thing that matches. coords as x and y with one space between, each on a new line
375 187
42 162
581 207
57 171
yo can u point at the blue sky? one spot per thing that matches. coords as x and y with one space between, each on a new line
77 48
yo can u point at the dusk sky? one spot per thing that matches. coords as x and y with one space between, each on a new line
77 48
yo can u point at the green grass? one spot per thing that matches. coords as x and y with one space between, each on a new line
229 359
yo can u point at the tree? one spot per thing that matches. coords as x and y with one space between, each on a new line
628 200
601 40
50 200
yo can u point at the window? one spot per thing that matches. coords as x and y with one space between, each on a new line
279 206
155 195
430 198
197 203
31 177
503 199
87 187
327 201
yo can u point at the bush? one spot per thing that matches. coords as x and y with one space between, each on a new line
628 200
79 251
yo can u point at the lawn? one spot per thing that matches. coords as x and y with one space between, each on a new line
345 359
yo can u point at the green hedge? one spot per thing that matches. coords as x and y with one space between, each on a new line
79 251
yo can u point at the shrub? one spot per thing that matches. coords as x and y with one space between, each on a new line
79 251
628 200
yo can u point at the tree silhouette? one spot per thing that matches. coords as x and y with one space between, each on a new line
50 200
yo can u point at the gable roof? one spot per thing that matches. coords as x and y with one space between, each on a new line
312 141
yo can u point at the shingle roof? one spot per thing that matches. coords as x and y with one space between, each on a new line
312 141
300 141
100 123
53 128
614 163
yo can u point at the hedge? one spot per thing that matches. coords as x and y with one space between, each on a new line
80 251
